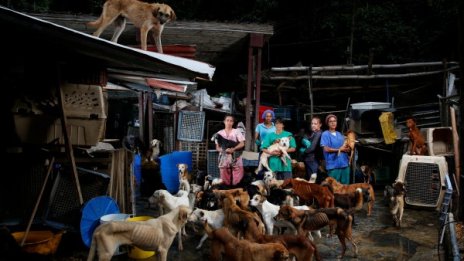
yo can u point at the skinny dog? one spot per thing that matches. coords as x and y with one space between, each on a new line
154 234
143 15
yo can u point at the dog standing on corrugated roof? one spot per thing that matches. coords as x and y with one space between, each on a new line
143 15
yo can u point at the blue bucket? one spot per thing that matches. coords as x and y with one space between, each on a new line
169 171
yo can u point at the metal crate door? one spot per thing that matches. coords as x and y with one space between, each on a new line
191 125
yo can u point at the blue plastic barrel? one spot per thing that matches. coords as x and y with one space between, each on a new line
169 171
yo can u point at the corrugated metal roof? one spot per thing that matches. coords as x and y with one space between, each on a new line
22 27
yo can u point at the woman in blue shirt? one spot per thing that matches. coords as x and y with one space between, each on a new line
335 154
264 128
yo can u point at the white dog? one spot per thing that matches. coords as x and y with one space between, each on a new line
155 148
155 234
281 145
269 211
215 219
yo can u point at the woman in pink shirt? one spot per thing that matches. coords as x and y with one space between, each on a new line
229 143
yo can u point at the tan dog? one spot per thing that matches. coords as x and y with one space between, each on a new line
143 15
416 139
183 172
151 235
281 145
350 140
351 188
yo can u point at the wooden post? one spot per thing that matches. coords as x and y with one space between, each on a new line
310 92
67 141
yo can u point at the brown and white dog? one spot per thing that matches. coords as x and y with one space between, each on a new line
154 234
183 172
143 15
394 196
351 188
281 145
417 141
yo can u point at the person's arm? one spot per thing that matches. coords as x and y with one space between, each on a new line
292 147
316 140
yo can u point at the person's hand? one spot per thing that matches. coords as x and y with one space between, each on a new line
230 150
276 153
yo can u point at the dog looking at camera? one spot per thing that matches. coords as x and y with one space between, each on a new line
394 197
144 16
281 145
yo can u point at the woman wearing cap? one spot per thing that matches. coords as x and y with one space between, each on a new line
281 170
335 154
265 127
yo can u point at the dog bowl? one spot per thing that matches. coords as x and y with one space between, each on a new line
39 242
135 252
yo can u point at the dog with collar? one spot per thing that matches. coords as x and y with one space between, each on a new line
144 16
281 145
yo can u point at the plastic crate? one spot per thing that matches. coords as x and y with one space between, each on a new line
213 163
83 101
191 125
439 140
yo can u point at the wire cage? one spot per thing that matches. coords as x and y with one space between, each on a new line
191 125
198 150
213 163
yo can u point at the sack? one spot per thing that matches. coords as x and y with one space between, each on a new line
388 127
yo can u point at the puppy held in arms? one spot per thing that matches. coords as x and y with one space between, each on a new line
281 145
144 16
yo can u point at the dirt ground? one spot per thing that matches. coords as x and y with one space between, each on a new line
375 236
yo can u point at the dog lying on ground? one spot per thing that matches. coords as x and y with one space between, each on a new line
281 145
394 196
144 16
351 188
417 141
214 218
224 244
154 234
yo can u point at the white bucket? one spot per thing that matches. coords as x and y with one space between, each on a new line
116 217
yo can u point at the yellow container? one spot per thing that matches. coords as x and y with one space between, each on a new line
135 252
40 242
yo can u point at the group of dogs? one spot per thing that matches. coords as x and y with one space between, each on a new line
267 219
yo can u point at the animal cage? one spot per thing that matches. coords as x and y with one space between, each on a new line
424 178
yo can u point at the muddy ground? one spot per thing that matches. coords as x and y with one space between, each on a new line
375 236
